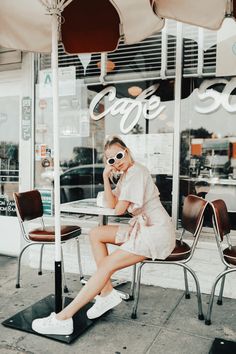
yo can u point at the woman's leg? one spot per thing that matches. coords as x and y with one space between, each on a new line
115 261
99 237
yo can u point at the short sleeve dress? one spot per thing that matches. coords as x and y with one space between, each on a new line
150 232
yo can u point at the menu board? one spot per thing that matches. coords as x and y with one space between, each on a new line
155 151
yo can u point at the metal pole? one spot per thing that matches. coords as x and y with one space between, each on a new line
55 96
177 117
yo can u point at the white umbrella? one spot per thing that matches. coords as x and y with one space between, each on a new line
97 26
92 26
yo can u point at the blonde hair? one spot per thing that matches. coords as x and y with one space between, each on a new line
116 140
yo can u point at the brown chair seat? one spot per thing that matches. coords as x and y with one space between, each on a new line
48 233
181 251
230 255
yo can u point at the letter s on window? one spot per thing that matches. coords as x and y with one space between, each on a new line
209 94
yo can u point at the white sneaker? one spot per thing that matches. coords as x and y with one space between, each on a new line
51 325
103 304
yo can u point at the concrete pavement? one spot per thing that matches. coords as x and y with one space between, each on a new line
166 323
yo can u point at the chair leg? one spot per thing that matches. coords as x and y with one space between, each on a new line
79 260
19 264
137 292
187 293
199 297
66 290
220 301
132 287
41 260
210 306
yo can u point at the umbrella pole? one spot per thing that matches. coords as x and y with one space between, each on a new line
23 319
55 98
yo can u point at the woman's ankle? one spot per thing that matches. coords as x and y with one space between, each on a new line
106 292
61 316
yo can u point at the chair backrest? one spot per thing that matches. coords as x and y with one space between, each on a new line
193 213
29 205
221 219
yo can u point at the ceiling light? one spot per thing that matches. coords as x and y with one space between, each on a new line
110 65
135 91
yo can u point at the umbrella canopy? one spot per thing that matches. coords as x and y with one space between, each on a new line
88 27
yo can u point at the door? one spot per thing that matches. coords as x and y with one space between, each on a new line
9 162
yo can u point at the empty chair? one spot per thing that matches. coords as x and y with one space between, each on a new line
192 220
221 226
29 207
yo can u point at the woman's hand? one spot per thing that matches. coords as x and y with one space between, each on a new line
108 170
109 196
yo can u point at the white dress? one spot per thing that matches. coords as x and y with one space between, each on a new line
150 232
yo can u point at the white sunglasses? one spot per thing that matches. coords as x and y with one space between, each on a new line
119 156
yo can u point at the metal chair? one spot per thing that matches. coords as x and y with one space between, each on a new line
221 226
29 207
192 220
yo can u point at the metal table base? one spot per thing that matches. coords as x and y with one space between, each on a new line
23 319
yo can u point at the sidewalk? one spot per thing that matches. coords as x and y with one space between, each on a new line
167 323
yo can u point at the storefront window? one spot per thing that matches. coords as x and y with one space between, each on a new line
9 146
141 113
208 142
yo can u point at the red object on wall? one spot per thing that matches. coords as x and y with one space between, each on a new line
196 149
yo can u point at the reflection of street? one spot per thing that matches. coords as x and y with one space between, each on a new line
9 177
7 205
225 192
211 189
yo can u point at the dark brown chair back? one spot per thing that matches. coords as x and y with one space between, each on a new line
192 213
221 217
29 205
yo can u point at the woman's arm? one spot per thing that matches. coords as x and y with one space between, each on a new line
120 206
111 199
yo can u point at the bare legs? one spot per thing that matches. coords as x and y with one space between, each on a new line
99 237
111 263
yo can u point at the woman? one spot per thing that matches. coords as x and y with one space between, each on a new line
150 234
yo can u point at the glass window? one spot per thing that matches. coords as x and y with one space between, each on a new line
208 141
141 113
9 147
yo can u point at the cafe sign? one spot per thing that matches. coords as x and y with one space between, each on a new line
145 105
214 98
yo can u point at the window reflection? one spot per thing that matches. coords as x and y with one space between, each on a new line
82 138
9 147
208 145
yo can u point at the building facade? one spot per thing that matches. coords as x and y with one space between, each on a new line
170 97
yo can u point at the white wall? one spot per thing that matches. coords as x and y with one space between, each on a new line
10 237
17 84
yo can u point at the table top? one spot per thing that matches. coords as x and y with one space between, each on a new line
86 206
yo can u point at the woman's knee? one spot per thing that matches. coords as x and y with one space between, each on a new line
103 233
